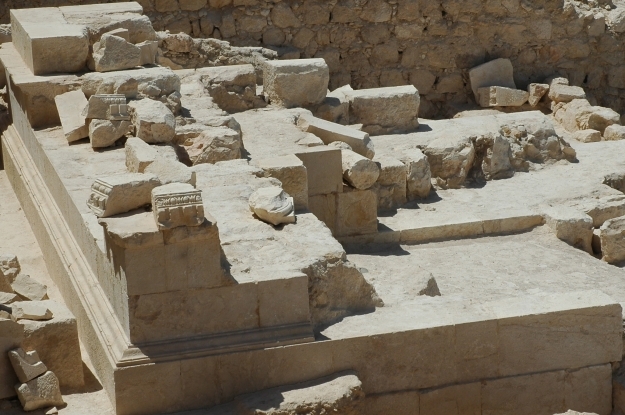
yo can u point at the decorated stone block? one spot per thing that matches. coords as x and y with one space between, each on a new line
177 204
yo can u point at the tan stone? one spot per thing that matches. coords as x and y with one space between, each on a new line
452 400
30 310
154 122
114 53
296 83
292 173
613 240
498 72
40 392
272 205
27 365
450 159
356 212
139 155
148 50
171 171
589 389
324 207
9 267
498 96
391 185
359 171
324 169
177 204
330 132
614 132
565 93
99 105
121 193
580 115
104 133
11 336
537 92
131 82
213 145
571 226
8 298
70 106
418 174
29 289
587 136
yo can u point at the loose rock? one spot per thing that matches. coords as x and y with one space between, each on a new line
587 136
272 205
40 392
29 289
614 132
153 121
27 365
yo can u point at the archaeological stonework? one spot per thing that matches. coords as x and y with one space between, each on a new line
354 207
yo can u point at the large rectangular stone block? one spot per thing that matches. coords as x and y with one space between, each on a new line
11 336
325 170
357 212
290 170
324 208
296 82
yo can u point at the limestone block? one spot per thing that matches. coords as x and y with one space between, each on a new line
70 106
385 110
339 394
121 193
356 212
450 159
9 267
115 54
47 43
456 399
418 174
496 163
297 82
403 403
614 132
587 136
324 168
8 298
537 92
283 299
11 336
132 82
565 93
498 96
615 181
334 108
213 145
40 392
27 365
292 173
571 226
391 185
272 205
171 171
99 105
498 72
324 208
613 240
30 310
233 88
589 389
148 49
154 122
580 115
330 132
359 171
139 155
177 204
104 133
29 289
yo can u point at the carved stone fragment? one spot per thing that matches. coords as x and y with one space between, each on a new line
121 193
177 204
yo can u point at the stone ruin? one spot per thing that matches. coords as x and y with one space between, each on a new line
220 227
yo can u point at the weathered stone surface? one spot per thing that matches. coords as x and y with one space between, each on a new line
272 205
498 96
177 204
104 133
496 163
113 53
418 174
614 132
613 240
11 336
615 181
498 72
385 110
154 122
28 288
148 50
330 132
580 115
99 105
171 171
450 160
356 212
30 310
139 155
147 81
233 87
213 145
70 106
391 185
589 390
565 93
337 394
296 83
587 136
359 171
8 298
571 225
325 170
292 173
9 267
537 92
40 392
27 365
121 193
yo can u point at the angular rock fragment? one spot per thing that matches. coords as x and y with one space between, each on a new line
114 53
450 160
70 106
99 105
498 72
139 155
614 132
587 136
571 226
565 93
418 174
233 87
171 171
292 173
391 183
26 365
8 298
615 181
29 289
177 204
9 266
104 133
272 205
121 193
580 115
296 82
148 50
612 235
537 92
359 171
154 122
496 164
330 132
498 96
40 392
30 310
213 145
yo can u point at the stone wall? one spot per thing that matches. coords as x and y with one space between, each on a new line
429 43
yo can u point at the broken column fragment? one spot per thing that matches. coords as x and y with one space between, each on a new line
40 392
70 106
330 132
26 365
498 72
153 121
292 173
114 53
121 193
296 82
177 204
498 96
359 171
272 205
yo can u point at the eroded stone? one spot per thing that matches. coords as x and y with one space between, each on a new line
272 205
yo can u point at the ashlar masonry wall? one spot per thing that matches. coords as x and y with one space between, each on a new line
428 43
